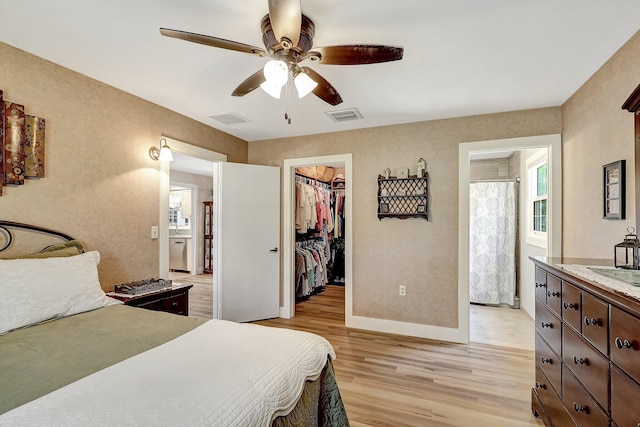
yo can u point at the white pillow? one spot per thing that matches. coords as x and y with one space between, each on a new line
35 290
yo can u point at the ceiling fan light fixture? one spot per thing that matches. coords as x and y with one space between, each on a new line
304 84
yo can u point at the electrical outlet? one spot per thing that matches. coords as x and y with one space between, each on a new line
402 291
154 231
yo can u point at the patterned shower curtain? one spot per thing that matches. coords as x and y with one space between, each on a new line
492 242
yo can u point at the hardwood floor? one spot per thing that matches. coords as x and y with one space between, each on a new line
200 296
391 380
502 326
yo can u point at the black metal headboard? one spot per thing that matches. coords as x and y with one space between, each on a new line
5 227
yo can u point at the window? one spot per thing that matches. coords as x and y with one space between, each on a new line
537 199
540 199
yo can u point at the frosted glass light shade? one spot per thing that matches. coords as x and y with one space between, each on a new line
165 154
271 89
304 84
276 72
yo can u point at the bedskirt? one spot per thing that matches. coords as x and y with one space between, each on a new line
320 404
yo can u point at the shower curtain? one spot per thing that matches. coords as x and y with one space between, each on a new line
492 242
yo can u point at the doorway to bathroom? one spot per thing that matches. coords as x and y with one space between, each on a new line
479 320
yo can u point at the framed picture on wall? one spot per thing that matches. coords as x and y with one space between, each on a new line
614 190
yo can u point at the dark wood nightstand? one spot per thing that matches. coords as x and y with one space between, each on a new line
171 300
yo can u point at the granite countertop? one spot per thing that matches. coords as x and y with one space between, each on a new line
601 272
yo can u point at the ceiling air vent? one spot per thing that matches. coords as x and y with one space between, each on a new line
229 118
344 115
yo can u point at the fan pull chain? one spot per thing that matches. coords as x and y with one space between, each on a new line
287 117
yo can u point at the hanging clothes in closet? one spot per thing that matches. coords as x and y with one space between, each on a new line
311 268
336 257
318 221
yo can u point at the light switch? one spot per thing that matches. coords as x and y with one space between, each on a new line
154 231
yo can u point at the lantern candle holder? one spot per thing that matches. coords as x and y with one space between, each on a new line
627 253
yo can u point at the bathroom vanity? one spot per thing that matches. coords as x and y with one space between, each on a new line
587 344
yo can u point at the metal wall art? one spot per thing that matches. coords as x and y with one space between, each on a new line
22 140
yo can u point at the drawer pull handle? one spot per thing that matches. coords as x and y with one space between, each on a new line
546 360
569 305
541 285
546 325
591 321
620 343
580 408
541 386
174 304
579 360
553 294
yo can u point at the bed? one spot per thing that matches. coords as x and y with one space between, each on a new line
70 355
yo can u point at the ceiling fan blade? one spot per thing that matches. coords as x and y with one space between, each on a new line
356 54
324 90
213 41
251 83
286 19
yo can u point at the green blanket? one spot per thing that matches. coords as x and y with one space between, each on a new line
36 360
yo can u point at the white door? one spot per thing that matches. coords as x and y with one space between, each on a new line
247 233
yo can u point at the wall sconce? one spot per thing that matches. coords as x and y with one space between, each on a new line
163 153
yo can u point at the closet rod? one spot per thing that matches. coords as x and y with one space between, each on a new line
312 179
495 180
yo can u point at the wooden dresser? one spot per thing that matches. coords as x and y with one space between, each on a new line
587 350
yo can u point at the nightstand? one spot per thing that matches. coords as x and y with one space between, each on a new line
171 300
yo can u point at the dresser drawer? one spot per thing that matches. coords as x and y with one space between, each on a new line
584 410
541 285
554 294
549 363
571 305
552 406
177 304
589 366
595 322
549 326
625 396
624 341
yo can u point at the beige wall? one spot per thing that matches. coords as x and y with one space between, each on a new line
417 253
489 169
100 186
596 131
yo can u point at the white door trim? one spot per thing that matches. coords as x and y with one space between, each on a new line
288 233
554 145
165 167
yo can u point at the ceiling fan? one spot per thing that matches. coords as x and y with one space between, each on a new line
287 35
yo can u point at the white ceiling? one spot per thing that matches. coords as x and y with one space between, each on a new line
462 57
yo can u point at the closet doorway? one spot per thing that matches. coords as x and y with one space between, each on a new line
342 163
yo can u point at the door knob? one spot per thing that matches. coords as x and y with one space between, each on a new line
273 250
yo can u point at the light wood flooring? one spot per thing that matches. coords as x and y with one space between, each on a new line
200 296
392 380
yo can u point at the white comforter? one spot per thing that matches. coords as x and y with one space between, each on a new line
221 373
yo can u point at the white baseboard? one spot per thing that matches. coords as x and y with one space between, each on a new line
410 329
